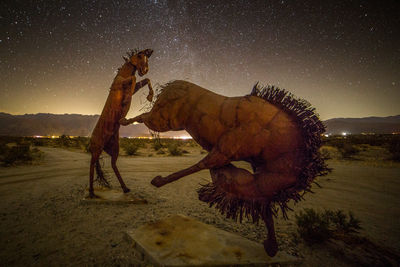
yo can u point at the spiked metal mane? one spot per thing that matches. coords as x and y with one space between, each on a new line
131 53
314 165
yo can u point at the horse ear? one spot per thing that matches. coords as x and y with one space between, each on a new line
148 52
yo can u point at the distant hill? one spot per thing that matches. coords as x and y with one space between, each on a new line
381 125
82 125
46 124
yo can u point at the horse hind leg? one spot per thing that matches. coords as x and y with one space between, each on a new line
114 152
93 160
270 245
116 171
243 185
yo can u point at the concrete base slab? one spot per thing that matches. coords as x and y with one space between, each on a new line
112 196
182 241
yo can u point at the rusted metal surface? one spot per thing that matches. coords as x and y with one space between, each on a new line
105 135
277 134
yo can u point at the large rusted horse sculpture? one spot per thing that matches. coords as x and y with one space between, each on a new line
276 133
105 135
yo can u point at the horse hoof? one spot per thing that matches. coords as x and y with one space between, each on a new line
92 195
126 190
158 181
271 247
123 122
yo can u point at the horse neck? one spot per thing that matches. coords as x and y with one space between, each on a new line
126 70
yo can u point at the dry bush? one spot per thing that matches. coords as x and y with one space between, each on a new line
312 226
348 151
20 153
157 144
174 150
317 227
160 152
3 148
131 149
394 148
325 153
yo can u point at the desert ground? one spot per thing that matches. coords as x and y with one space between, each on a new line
43 221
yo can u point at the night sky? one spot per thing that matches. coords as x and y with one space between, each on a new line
342 56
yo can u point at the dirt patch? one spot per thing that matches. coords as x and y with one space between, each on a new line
42 220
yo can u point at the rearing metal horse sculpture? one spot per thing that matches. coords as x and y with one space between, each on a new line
276 133
105 135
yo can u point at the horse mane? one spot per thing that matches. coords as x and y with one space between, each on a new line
130 53
311 128
174 89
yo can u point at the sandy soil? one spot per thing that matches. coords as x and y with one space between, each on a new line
43 222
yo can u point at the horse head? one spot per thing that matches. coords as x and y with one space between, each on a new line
170 108
140 60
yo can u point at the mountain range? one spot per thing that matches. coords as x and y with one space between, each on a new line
379 125
46 124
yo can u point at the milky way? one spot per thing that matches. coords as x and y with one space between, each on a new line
342 56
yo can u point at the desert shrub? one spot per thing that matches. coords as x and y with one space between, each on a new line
359 139
312 226
317 227
348 150
340 223
192 143
20 140
351 145
160 152
325 153
157 144
394 148
175 150
35 150
19 152
75 143
63 141
47 142
123 142
86 146
131 149
7 139
38 142
140 142
81 143
3 148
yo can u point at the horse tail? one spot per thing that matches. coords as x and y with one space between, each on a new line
100 178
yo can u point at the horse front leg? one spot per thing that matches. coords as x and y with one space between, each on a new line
212 160
139 119
142 83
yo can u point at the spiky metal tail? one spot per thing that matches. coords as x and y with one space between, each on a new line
100 179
